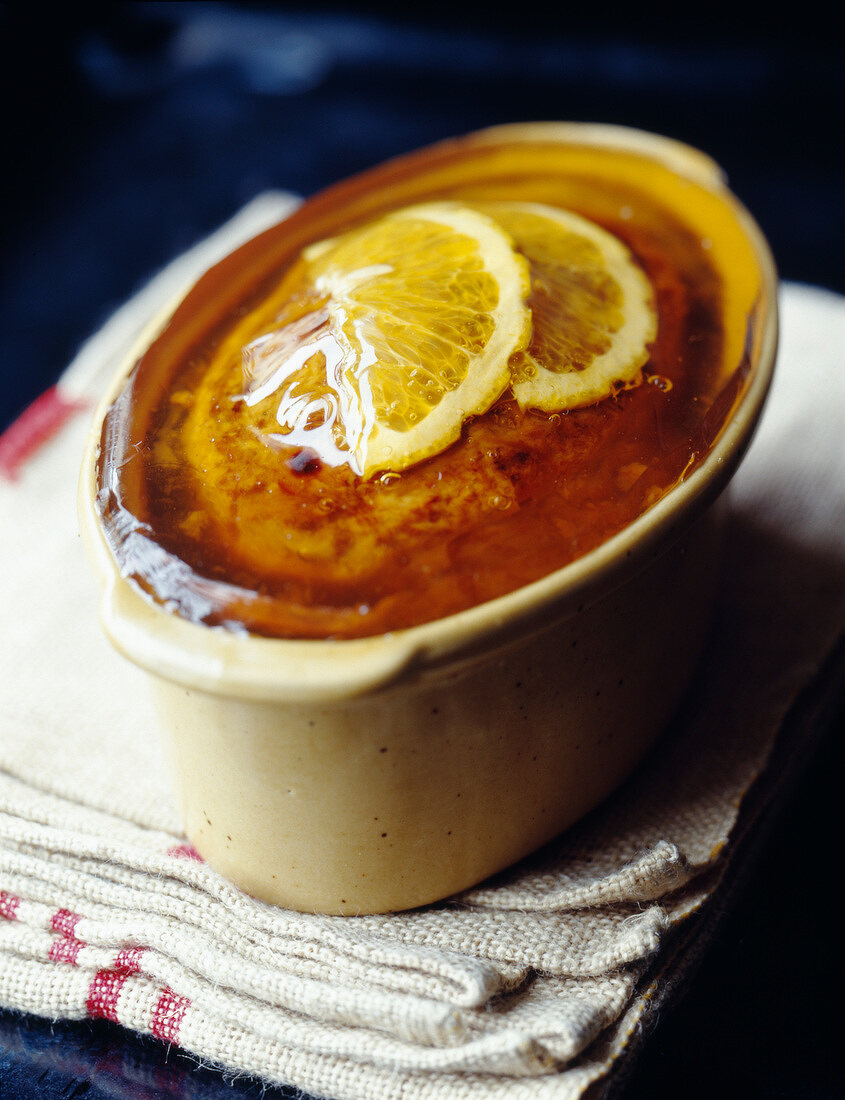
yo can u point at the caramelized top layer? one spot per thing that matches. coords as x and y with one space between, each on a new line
217 518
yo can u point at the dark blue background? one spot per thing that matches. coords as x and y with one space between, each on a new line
131 130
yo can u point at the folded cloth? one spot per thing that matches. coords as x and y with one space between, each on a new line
538 983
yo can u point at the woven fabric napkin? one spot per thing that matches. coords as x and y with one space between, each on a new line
535 984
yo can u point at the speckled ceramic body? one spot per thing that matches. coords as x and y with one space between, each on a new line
409 793
383 773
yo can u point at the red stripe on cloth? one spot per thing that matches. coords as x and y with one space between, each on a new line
65 921
128 960
36 424
103 994
185 851
66 946
9 905
65 949
168 1015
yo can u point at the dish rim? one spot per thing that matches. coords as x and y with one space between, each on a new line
297 671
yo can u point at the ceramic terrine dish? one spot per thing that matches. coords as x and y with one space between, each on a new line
411 507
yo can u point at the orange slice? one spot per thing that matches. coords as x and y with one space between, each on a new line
397 333
592 306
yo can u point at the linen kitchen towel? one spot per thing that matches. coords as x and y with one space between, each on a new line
538 983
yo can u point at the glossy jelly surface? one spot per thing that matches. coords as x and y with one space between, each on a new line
220 518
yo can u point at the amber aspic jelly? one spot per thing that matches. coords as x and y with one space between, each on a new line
220 520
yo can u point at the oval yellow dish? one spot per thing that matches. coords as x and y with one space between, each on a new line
410 509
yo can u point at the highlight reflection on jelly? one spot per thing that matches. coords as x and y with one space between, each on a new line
310 418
